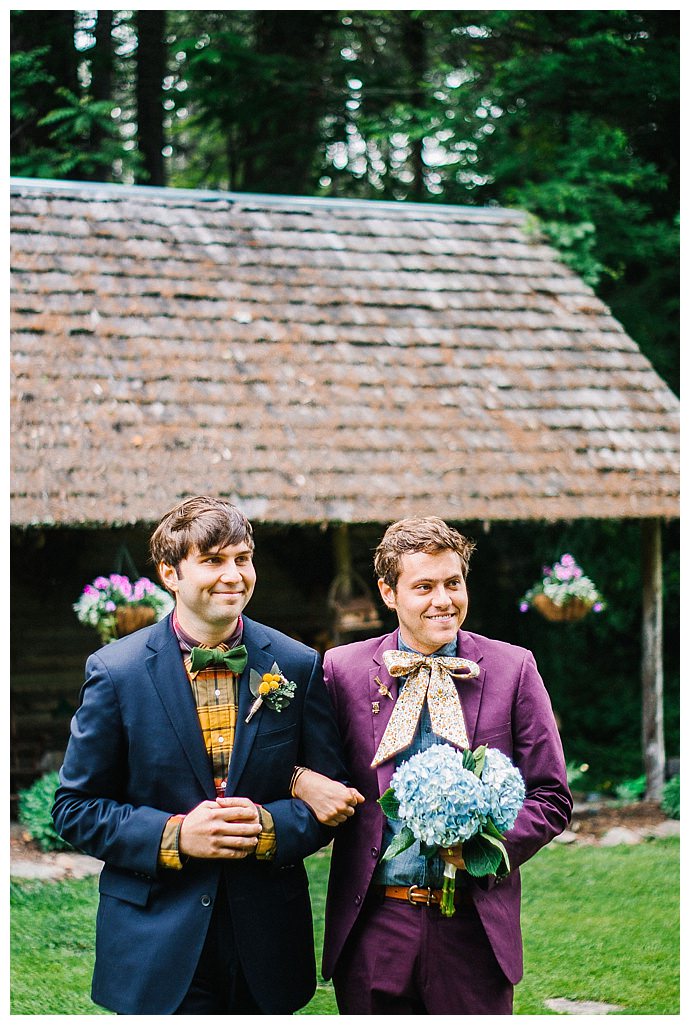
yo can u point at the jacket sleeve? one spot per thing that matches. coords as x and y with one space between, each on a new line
90 810
538 754
298 833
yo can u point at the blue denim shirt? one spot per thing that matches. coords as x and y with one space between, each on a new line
411 868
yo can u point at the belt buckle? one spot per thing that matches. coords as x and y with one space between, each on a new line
425 892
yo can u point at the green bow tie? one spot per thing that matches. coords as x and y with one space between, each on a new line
235 659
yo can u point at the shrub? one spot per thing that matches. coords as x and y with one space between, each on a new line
632 789
576 774
670 798
34 813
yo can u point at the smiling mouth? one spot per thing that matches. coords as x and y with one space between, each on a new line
442 618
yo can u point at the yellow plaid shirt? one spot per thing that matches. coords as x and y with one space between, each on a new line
215 695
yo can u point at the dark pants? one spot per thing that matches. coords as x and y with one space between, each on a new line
405 959
219 986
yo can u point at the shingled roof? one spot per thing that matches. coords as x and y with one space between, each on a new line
317 360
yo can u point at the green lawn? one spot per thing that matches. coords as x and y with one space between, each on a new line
599 924
52 940
603 924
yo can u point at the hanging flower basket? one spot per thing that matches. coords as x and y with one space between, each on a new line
116 607
564 595
572 610
129 618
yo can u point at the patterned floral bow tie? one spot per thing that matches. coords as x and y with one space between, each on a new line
235 659
431 678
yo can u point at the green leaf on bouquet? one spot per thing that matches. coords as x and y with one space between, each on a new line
390 804
468 761
484 855
492 830
479 756
428 850
404 839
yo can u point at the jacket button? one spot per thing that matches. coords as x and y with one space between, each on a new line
206 901
374 852
358 899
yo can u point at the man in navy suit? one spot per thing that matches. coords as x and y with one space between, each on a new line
182 781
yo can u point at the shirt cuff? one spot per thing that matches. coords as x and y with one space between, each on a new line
169 851
268 844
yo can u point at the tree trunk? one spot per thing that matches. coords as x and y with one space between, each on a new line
101 75
652 660
414 44
102 58
151 66
282 137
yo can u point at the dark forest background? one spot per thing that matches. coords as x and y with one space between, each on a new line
570 115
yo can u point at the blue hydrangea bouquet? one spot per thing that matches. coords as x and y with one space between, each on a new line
446 797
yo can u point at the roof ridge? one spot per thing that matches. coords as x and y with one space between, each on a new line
61 186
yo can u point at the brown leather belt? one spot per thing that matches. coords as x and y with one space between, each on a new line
423 895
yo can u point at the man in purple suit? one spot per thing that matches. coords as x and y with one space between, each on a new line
387 947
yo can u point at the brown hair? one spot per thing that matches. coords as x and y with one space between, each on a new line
418 534
202 523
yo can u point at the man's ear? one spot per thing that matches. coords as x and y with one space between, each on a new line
168 575
387 593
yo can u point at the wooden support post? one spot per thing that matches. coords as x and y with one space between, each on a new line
342 558
652 660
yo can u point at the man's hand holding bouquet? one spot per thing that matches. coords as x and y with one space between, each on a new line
447 798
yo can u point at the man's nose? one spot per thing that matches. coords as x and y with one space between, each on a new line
231 572
441 597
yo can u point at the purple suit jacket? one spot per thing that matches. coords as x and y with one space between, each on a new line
506 707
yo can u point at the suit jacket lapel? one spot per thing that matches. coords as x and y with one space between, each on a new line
169 677
470 691
261 658
379 677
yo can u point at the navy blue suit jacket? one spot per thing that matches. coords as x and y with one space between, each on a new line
136 755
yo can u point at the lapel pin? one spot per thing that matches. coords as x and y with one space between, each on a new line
375 708
383 689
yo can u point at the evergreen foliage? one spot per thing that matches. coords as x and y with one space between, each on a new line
670 799
34 812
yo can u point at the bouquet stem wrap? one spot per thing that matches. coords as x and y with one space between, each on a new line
448 893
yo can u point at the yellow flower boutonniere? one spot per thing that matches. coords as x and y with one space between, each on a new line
272 689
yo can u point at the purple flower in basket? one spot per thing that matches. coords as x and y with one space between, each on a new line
100 601
562 583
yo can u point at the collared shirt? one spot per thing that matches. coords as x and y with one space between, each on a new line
411 868
215 695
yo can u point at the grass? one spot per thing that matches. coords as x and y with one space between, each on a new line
599 924
603 924
53 928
